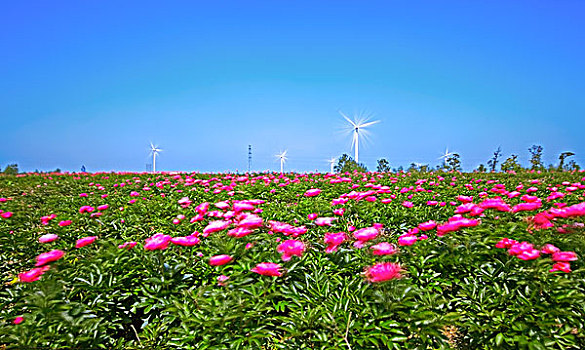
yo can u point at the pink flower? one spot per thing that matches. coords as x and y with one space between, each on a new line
184 202
312 192
564 256
363 235
561 266
103 207
526 206
549 249
48 257
324 221
49 237
250 221
187 241
519 248
85 209
6 214
159 241
215 226
383 272
506 243
218 260
65 223
290 248
32 275
529 254
18 320
268 269
239 232
127 245
339 211
334 240
82 242
406 240
427 226
312 216
222 279
384 248
407 204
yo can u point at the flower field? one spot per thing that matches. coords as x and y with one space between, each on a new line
293 261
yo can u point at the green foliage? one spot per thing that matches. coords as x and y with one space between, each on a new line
457 291
383 166
536 157
11 169
511 164
562 158
493 162
453 162
346 163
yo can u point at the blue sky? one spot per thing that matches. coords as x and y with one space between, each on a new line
92 83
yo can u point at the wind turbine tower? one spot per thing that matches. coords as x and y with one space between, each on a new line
154 150
358 125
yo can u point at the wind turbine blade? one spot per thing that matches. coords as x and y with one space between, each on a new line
368 124
349 120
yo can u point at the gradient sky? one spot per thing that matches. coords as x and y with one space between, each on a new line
92 83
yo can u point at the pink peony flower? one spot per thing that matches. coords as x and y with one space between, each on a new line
82 242
384 248
250 221
268 269
529 254
324 221
312 192
222 279
187 241
334 240
32 275
103 207
159 241
383 272
290 248
127 245
65 223
18 320
549 249
564 256
48 257
6 214
407 240
407 204
215 226
49 237
363 235
561 266
312 216
427 226
218 260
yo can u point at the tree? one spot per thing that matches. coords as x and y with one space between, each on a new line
572 165
536 157
511 164
347 164
493 162
383 166
481 168
562 158
11 169
453 162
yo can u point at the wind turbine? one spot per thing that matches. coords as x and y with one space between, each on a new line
154 150
332 162
283 158
446 155
357 126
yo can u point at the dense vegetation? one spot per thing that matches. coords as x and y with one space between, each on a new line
293 261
